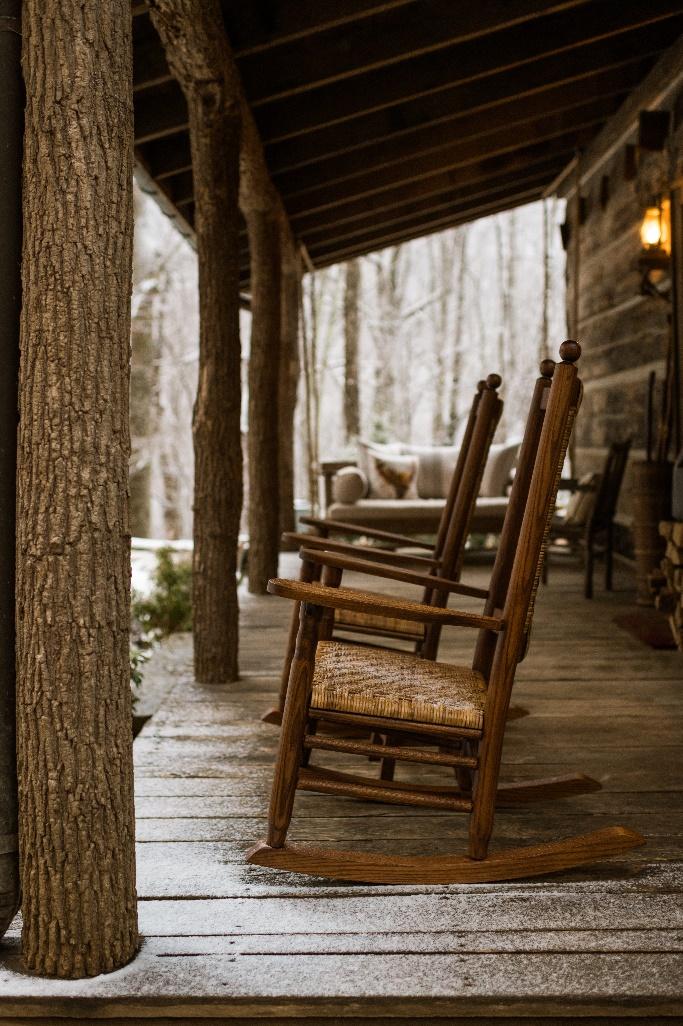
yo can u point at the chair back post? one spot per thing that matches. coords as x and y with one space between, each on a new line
512 525
454 487
563 401
487 416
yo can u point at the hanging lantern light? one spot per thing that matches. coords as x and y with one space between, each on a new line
654 231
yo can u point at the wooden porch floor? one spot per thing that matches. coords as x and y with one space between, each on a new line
225 941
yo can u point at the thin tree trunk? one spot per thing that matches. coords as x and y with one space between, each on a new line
143 401
459 323
264 376
289 378
73 557
351 336
195 54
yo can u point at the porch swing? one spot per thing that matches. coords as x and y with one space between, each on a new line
460 710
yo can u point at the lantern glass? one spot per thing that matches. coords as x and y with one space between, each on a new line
654 231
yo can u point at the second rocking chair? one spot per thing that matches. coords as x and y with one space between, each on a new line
459 710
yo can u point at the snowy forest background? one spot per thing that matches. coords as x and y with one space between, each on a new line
430 318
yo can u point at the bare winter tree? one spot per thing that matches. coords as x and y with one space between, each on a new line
352 286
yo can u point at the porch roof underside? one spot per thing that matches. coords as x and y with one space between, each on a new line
385 121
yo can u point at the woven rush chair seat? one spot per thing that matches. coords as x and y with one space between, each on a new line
349 618
378 682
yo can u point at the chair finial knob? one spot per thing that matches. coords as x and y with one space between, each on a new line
494 381
481 385
570 351
547 368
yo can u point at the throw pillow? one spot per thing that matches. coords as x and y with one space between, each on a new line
392 477
437 463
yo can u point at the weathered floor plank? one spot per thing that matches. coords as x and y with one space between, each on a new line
224 940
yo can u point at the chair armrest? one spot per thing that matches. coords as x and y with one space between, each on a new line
362 566
314 541
340 527
384 605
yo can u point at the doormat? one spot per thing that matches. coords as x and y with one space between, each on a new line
647 626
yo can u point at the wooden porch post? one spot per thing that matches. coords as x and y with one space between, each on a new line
289 373
74 739
11 129
264 377
195 48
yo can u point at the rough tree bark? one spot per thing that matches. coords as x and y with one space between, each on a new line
73 556
196 51
351 336
11 131
289 374
264 375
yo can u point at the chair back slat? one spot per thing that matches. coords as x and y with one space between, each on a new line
454 486
550 507
563 403
486 417
509 538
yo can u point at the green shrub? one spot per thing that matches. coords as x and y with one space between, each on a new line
168 608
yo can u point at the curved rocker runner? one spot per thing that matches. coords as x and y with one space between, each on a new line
431 712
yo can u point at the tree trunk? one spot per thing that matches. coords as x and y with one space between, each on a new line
194 51
142 404
351 336
289 378
264 376
11 126
457 342
74 734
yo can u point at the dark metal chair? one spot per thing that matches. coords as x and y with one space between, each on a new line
594 531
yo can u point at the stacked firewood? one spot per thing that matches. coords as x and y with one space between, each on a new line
668 583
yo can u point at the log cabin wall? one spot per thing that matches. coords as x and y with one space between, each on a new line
623 332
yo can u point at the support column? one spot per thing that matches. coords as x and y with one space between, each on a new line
264 375
289 374
11 130
74 738
194 48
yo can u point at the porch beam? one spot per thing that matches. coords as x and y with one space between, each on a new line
449 159
381 42
442 180
11 131
432 72
194 48
424 226
466 99
560 105
202 29
74 738
448 204
287 23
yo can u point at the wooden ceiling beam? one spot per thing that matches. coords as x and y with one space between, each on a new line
633 51
150 67
439 205
324 258
256 27
451 159
159 112
382 41
463 62
169 155
517 161
601 94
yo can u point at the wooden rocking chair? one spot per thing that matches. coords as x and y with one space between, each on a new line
459 709
442 567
